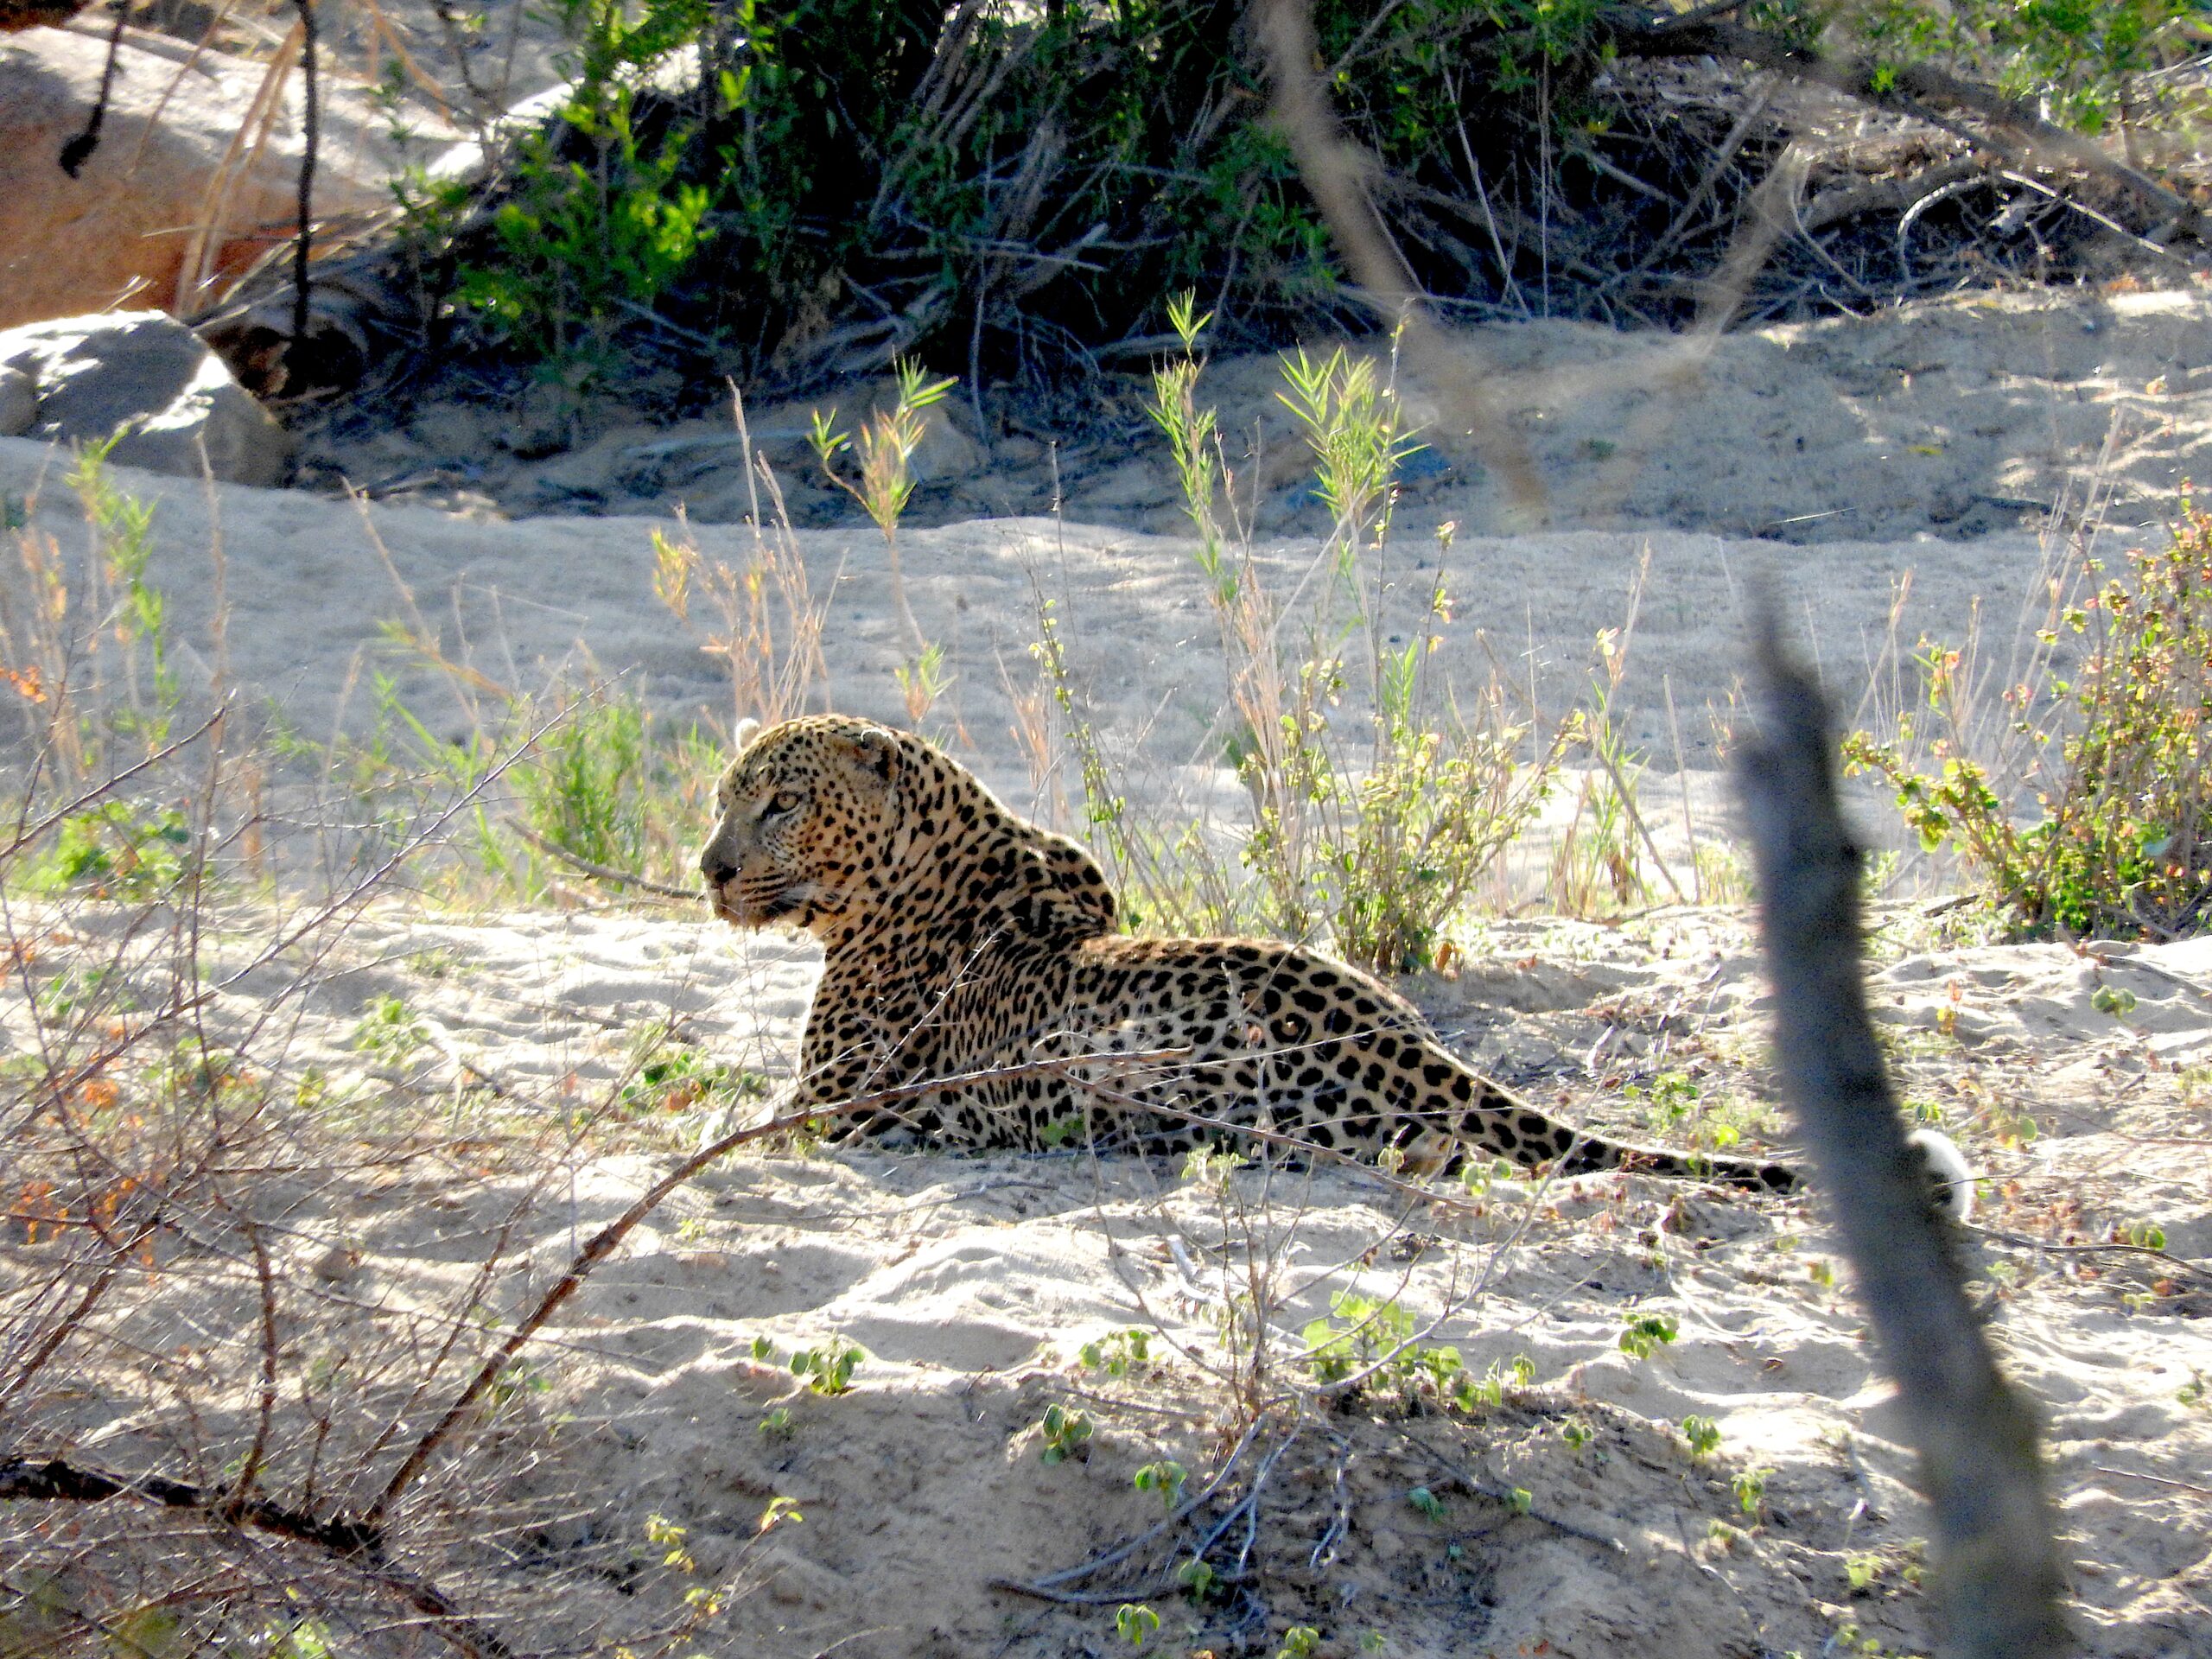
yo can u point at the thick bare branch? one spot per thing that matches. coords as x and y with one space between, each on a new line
1999 1576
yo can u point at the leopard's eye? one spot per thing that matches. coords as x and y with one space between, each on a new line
787 800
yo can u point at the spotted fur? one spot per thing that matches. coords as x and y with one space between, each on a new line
961 940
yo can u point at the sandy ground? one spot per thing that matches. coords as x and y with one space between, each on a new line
1960 418
307 589
973 1283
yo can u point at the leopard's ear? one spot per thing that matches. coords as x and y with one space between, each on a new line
874 749
741 738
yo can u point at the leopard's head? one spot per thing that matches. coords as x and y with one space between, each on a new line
808 816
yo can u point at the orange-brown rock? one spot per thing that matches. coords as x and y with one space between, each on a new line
185 188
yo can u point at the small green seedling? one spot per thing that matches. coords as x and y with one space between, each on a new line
1118 1355
665 1534
1641 1332
390 1032
1066 1434
1134 1622
1477 1178
829 1370
1200 1578
1359 1332
1750 1486
1300 1642
1166 1478
1703 1435
1427 1502
1062 1132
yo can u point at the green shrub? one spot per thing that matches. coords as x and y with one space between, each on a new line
1369 828
597 214
2123 845
585 788
1007 181
117 849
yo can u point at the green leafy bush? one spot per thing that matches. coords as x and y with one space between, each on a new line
2079 55
585 788
117 849
2123 845
1004 182
1372 830
597 215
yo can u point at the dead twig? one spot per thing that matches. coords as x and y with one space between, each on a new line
310 134
689 896
2173 1264
58 1480
2011 122
79 150
604 1241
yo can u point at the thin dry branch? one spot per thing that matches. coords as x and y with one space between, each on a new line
689 896
59 1480
2011 123
1998 1577
1331 168
604 1241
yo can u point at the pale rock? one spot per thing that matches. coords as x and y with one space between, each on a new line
18 403
151 377
946 454
1137 482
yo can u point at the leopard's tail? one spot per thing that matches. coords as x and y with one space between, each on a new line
1593 1152
1500 1122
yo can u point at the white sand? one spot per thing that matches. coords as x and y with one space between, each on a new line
972 1282
307 590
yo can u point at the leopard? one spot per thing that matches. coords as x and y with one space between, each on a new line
977 992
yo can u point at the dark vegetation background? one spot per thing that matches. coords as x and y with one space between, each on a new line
789 193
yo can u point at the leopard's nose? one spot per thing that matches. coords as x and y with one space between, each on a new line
716 868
